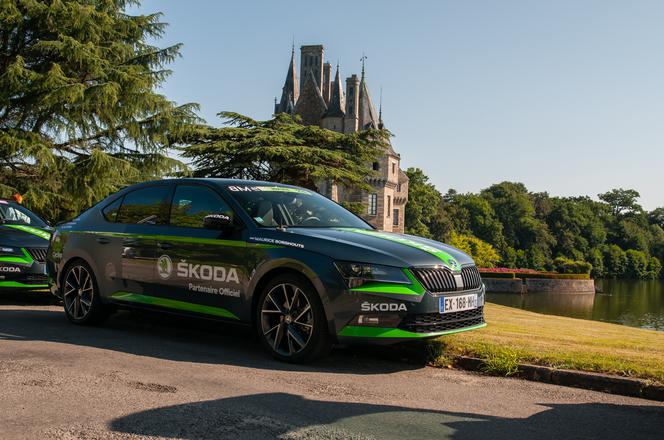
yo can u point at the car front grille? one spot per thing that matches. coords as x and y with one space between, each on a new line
471 277
37 254
436 279
440 279
437 322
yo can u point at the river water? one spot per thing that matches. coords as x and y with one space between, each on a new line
627 302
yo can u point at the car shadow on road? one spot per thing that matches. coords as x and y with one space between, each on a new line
184 339
281 415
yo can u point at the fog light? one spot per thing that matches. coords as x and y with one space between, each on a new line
388 320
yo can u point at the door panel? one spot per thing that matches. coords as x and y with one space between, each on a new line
201 266
144 213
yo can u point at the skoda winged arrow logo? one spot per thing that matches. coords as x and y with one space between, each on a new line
454 264
164 267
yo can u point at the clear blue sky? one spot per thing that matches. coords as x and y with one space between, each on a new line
565 96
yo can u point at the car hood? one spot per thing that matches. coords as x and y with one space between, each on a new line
371 246
23 236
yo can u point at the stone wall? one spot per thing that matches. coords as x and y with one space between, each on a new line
538 285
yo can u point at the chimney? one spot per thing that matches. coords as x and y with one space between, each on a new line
352 103
327 72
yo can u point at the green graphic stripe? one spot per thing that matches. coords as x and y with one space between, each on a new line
27 259
415 288
173 304
283 189
379 332
17 285
446 258
182 239
30 230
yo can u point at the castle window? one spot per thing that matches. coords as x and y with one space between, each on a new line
398 187
389 205
395 218
376 166
394 167
373 204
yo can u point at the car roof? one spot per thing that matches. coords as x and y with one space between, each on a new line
213 180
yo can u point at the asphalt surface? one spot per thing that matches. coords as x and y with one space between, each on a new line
146 376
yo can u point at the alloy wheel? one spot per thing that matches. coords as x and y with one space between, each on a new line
79 290
287 320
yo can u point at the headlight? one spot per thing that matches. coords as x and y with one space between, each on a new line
356 274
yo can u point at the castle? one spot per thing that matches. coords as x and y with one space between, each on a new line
320 100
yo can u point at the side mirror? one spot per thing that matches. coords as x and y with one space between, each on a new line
219 222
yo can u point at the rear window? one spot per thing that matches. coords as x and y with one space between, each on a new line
146 206
110 213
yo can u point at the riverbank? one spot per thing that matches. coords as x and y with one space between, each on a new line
516 336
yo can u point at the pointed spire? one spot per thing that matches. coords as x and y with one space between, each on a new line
367 113
380 109
290 92
336 106
363 59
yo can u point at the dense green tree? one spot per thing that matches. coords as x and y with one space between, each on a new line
621 201
637 264
424 215
514 208
79 111
615 261
473 214
281 150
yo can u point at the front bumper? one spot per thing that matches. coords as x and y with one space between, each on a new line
414 317
24 272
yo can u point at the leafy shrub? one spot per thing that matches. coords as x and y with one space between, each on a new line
637 264
566 265
482 252
555 276
509 275
654 268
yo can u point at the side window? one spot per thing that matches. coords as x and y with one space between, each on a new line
110 213
192 203
145 206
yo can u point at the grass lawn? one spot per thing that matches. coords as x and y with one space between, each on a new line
513 336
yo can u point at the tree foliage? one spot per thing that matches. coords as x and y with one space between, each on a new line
281 149
424 214
79 112
612 237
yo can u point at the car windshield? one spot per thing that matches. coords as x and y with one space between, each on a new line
271 206
11 213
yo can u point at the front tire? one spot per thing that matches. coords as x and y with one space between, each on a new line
290 320
80 295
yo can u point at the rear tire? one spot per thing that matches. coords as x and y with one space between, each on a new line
80 295
290 320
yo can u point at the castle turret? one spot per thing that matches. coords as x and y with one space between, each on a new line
352 104
311 60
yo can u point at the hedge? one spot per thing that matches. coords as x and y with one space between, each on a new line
510 275
547 276
555 276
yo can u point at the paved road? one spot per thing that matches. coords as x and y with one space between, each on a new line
144 376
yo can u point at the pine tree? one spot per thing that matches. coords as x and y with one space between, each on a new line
283 150
79 112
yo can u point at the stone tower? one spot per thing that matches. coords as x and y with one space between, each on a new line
321 101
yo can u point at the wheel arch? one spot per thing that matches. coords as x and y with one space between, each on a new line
294 267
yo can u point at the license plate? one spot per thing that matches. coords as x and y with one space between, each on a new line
450 304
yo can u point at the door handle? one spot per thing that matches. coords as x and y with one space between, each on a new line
103 240
165 246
